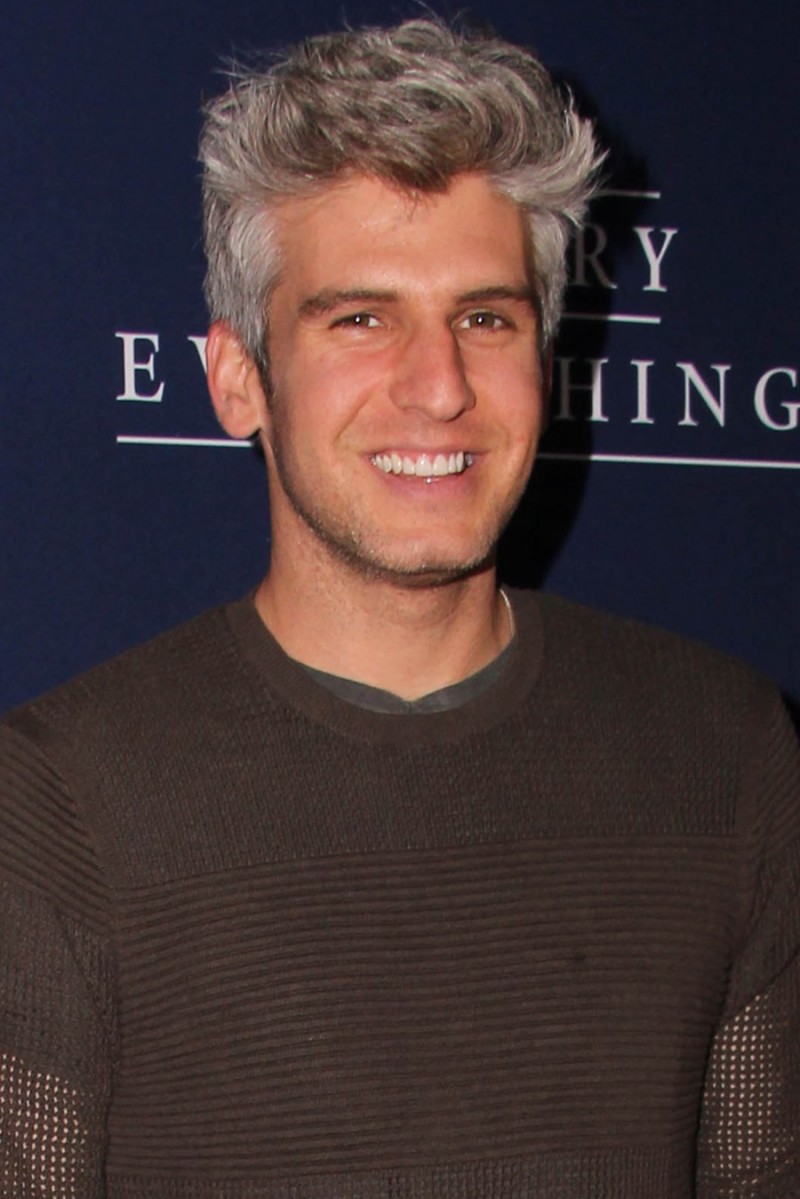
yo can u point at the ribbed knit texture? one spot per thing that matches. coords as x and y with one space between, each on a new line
260 944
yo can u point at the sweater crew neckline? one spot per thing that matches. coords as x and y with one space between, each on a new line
296 686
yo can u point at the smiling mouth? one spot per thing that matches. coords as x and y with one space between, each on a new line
423 466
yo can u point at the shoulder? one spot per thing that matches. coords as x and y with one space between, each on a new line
610 652
121 755
147 682
663 716
141 719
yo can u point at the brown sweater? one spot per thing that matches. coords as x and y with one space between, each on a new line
258 942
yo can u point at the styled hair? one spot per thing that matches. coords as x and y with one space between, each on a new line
413 105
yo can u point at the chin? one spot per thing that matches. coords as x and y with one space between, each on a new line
429 567
403 557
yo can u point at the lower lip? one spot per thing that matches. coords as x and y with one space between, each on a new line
425 484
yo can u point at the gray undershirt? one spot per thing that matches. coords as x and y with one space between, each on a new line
377 700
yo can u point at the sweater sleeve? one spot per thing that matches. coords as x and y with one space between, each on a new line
749 1144
56 986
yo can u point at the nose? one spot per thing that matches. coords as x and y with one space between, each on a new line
430 375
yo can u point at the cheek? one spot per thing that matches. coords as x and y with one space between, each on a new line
326 374
306 424
340 400
513 398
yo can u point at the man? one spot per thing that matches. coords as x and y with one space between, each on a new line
382 881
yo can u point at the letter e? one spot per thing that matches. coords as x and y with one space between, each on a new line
130 365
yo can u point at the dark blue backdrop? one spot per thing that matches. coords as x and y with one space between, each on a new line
109 540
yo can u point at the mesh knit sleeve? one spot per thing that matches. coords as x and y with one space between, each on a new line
56 988
749 1146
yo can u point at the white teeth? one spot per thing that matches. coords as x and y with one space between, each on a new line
423 467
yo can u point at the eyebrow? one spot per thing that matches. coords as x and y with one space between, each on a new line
329 299
485 295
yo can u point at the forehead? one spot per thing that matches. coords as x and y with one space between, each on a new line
363 226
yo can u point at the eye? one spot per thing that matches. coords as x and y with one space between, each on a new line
485 321
357 320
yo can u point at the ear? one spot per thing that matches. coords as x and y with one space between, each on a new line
234 383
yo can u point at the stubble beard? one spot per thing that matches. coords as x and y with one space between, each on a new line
352 546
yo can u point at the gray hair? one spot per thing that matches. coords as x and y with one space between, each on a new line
413 105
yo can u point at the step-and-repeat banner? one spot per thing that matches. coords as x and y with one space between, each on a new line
669 478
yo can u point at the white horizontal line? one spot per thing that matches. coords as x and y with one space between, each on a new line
623 317
213 442
649 460
623 193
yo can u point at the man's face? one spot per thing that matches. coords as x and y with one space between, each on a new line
406 384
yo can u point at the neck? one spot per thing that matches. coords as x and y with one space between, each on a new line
409 640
